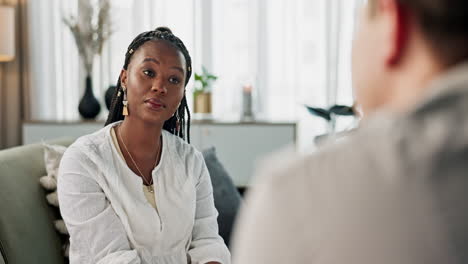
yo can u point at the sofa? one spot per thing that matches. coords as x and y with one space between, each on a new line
27 233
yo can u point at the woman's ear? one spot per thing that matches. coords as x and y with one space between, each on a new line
123 78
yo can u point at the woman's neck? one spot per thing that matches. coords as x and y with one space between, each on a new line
141 138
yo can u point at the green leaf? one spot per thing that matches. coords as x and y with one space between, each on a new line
323 113
342 110
204 79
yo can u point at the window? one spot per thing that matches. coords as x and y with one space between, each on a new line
293 52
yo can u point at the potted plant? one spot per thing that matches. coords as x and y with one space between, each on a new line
202 92
90 31
330 115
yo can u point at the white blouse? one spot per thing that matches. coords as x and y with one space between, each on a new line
150 195
111 221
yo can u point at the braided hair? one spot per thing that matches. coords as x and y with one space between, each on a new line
177 126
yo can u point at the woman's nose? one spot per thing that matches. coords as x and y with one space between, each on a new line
159 86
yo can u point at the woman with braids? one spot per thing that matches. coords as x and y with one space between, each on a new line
136 191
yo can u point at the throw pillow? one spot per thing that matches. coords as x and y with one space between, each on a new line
226 196
52 156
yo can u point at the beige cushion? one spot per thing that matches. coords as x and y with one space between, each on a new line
52 157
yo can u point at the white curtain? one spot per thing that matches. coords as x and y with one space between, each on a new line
340 23
293 52
54 62
57 74
275 45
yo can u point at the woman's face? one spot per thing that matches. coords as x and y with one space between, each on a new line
155 80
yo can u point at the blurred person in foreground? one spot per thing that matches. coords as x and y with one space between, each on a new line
395 191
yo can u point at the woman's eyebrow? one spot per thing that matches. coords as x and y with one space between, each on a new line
151 59
157 62
178 68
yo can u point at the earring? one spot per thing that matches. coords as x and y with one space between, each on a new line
125 101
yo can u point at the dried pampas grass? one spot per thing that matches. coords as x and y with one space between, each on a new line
90 30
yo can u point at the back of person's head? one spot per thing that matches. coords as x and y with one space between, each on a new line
399 41
444 23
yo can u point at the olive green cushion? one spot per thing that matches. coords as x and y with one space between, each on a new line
27 234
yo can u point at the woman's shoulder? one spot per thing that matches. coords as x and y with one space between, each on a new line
93 145
181 148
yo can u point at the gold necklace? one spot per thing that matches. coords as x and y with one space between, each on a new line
158 153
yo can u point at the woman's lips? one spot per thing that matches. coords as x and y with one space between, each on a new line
155 104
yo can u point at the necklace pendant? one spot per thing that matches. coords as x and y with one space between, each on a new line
150 188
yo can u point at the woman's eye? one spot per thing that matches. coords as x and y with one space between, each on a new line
149 73
174 80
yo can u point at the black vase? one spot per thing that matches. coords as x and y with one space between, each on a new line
89 106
